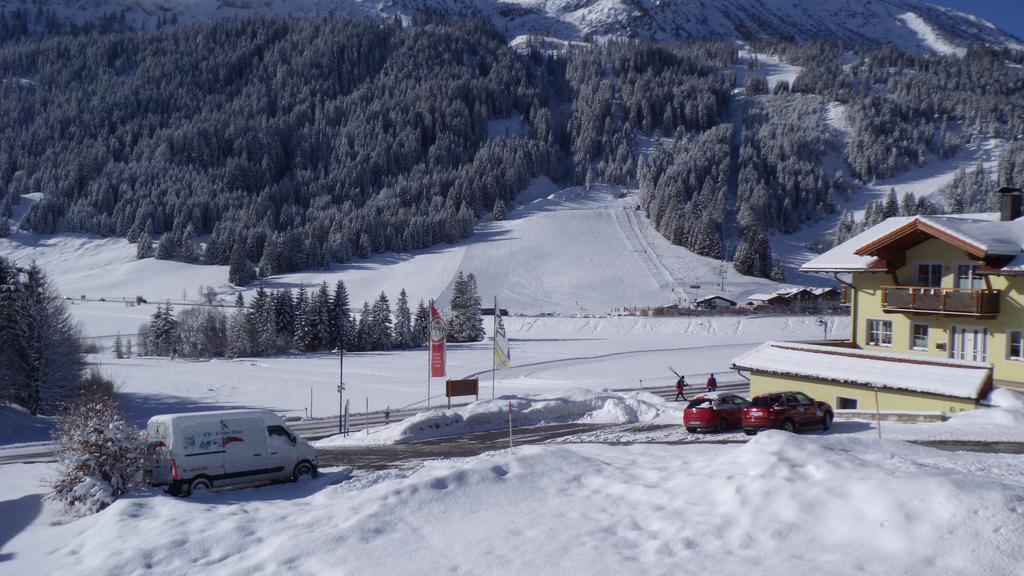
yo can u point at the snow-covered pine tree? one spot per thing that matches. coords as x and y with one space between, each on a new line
256 323
363 330
467 324
380 324
302 338
324 336
190 249
475 321
753 256
891 207
778 270
144 248
345 325
403 337
284 314
118 347
456 327
167 247
238 335
421 325
128 348
498 212
240 272
98 448
239 301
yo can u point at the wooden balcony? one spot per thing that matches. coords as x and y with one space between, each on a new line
952 301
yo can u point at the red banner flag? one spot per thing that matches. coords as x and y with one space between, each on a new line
438 336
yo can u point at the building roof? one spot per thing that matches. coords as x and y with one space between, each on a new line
714 297
955 378
999 243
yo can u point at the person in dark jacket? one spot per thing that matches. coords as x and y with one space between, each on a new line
680 388
712 383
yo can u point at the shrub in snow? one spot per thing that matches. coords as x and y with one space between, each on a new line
99 450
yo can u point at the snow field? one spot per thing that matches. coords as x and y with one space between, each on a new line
781 503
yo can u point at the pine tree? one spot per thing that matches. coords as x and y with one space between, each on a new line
421 326
403 337
467 324
284 314
238 335
190 249
261 333
344 324
363 330
380 324
128 348
167 247
302 340
324 338
498 212
891 207
240 272
144 248
118 349
778 270
753 256
45 359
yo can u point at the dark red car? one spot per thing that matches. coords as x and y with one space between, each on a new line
714 412
789 411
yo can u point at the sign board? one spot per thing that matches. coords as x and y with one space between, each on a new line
468 387
694 286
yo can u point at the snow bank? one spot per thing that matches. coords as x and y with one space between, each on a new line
781 504
527 410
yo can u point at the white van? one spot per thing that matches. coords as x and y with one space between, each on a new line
202 450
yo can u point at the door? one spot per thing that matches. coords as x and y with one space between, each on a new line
280 451
968 343
245 448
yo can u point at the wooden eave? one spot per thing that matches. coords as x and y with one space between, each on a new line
911 234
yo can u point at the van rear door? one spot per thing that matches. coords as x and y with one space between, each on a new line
245 448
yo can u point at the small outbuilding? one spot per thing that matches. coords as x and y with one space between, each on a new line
851 379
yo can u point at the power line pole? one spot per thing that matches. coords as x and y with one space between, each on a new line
341 388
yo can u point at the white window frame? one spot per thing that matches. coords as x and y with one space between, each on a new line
1009 346
838 404
917 270
880 343
927 337
972 277
984 332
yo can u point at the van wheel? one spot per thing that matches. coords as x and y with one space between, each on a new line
199 486
303 470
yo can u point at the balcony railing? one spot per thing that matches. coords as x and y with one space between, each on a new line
956 301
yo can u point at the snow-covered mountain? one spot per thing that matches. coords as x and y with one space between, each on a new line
909 24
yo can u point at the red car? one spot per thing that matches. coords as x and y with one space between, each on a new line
714 412
787 411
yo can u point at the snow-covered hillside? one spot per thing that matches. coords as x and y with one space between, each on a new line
910 24
567 252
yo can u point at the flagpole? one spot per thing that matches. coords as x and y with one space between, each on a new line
430 354
494 339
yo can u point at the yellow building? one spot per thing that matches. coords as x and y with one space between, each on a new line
939 289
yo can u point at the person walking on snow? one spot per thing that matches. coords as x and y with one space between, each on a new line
387 415
712 383
680 388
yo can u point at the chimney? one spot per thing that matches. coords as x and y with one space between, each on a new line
1010 203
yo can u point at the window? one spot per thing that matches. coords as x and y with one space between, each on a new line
919 337
880 332
929 275
803 398
967 277
846 403
1016 339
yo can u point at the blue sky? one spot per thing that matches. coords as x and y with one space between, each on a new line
1006 14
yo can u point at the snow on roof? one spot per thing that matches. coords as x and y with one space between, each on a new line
959 379
713 297
762 297
984 230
